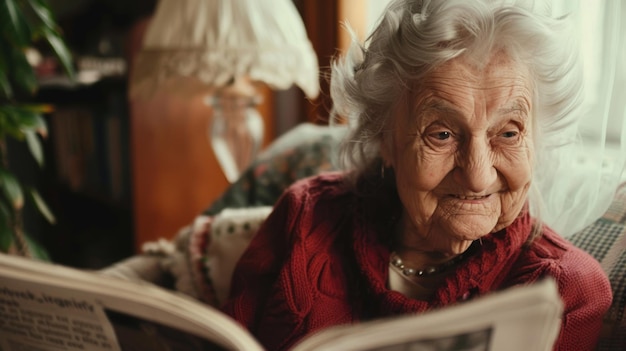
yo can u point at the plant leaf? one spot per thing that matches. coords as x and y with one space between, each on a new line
41 206
61 51
36 121
6 89
6 238
9 122
39 108
21 118
36 250
5 49
5 213
41 9
5 85
12 190
26 116
23 72
30 118
34 145
14 24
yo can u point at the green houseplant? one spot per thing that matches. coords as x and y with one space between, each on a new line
23 24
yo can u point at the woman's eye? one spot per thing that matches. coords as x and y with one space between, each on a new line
510 134
442 135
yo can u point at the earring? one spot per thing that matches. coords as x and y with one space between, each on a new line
382 170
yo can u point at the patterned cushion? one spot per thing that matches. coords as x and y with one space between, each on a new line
606 241
218 247
303 151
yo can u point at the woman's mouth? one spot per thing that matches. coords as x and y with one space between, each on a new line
469 197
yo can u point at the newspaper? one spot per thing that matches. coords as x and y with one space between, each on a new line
46 307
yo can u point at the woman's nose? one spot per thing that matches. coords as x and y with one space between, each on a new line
475 169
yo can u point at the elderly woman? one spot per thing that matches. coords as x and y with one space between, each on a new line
447 106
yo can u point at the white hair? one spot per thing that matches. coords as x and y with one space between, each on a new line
413 37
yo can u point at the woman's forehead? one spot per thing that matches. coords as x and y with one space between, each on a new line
501 83
497 66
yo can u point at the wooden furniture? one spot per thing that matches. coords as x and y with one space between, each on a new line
174 170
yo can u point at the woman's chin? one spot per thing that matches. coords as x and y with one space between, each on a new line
463 233
448 246
458 247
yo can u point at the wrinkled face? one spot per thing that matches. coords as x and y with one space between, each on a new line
461 149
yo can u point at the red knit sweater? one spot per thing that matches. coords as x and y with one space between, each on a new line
322 259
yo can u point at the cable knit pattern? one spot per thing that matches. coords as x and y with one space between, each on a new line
321 259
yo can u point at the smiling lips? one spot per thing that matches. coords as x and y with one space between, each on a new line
463 197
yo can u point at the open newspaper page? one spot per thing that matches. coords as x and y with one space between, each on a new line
518 319
45 307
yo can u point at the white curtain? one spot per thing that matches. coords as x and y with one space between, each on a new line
583 178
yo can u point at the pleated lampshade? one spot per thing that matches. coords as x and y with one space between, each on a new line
222 48
215 41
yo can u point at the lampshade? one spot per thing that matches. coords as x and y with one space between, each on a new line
198 44
223 48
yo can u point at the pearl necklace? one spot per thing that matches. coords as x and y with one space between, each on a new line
397 262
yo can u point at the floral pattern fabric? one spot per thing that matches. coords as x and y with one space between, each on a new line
266 179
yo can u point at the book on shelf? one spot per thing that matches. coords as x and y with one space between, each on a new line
90 149
50 307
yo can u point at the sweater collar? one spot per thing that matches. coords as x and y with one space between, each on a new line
480 273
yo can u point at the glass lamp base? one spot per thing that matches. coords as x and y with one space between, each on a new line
236 133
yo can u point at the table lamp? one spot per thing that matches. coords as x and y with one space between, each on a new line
225 49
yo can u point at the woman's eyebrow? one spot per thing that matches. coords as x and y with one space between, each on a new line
516 106
439 105
442 105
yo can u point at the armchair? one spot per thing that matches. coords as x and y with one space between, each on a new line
200 259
